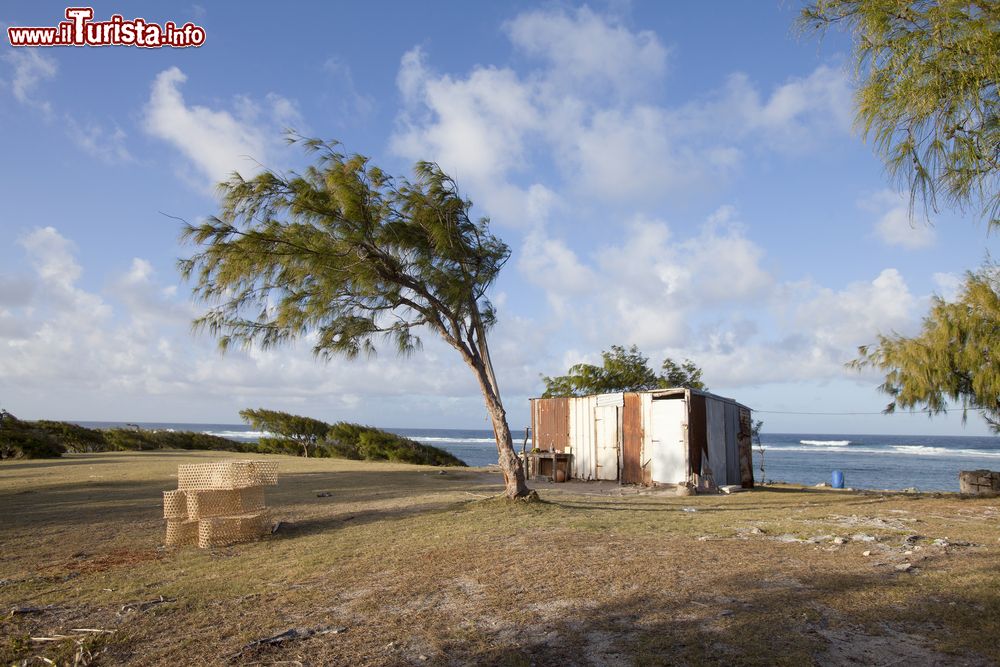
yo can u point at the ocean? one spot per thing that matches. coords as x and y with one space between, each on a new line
928 463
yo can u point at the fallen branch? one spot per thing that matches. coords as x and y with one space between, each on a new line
143 606
17 611
286 636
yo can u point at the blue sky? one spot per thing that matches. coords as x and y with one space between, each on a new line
683 176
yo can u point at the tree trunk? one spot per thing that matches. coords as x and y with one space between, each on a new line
510 462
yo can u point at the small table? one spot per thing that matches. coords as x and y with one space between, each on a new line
546 464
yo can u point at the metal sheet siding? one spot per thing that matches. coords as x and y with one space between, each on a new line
715 414
581 436
632 439
550 420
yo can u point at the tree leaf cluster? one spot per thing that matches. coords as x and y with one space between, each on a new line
928 96
623 369
955 357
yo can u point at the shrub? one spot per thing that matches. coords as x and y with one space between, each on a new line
74 437
372 444
19 439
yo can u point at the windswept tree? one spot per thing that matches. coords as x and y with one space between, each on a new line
928 97
351 256
622 369
955 357
928 94
303 431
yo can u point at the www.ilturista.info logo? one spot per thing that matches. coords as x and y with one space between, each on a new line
81 30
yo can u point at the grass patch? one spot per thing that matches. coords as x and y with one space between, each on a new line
411 562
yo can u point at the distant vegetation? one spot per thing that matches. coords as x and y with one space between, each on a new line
623 369
51 439
292 434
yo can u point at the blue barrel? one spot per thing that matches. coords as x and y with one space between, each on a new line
838 479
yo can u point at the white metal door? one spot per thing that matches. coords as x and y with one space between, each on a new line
668 421
606 441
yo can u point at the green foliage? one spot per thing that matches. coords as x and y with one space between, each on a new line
21 439
353 256
295 430
685 374
48 439
354 441
75 438
622 370
348 252
955 357
928 95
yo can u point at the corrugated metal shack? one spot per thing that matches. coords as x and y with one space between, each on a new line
663 436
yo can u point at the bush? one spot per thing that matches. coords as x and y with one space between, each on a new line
49 439
75 438
372 444
19 439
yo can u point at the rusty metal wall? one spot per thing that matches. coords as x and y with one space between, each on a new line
550 423
632 439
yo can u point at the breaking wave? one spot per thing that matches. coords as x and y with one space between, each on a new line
925 450
421 438
240 435
826 443
892 450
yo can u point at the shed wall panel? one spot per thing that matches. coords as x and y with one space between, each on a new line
632 439
551 423
715 417
581 437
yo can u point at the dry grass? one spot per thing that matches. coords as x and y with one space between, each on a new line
403 565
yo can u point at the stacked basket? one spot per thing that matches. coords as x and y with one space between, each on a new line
218 504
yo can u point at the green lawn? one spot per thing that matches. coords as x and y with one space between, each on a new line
408 565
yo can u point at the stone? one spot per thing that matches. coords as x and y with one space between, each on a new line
862 537
979 482
903 567
866 553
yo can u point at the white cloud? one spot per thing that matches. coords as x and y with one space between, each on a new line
895 226
587 107
216 142
583 48
352 103
127 351
710 296
948 285
52 256
31 68
107 145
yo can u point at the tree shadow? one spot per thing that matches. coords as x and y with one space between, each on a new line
776 621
